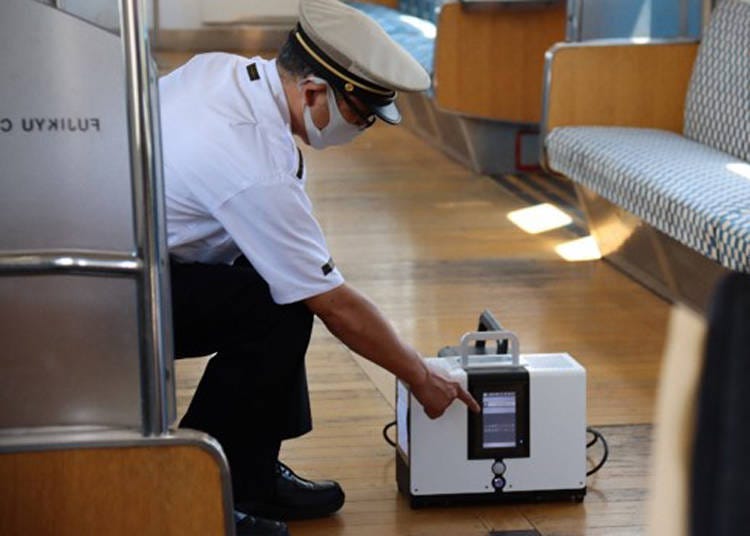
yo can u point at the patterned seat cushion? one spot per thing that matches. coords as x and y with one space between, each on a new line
685 189
416 35
732 243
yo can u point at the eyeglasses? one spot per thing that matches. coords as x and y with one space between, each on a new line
366 119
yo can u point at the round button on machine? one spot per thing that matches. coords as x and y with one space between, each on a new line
498 483
498 467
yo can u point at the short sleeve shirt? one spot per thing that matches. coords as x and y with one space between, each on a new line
235 179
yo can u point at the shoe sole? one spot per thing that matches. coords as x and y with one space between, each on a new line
271 511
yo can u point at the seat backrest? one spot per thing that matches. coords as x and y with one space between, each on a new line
114 483
717 109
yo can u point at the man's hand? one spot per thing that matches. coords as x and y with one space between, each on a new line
359 324
436 391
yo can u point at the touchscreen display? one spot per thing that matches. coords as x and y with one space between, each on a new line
501 430
498 419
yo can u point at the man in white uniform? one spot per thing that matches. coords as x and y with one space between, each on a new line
250 266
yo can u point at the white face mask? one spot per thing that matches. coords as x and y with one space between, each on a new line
338 131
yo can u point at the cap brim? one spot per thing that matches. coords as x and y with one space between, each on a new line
388 113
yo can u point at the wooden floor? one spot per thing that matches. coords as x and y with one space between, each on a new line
430 242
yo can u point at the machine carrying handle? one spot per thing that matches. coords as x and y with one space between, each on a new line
489 336
488 322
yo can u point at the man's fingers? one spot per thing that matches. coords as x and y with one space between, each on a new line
435 404
467 399
434 413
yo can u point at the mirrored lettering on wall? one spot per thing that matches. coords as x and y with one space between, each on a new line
30 125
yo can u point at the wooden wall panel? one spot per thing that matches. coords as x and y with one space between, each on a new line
489 63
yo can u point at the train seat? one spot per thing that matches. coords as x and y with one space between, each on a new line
113 481
661 131
475 53
684 188
461 47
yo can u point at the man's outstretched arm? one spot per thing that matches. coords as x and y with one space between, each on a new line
358 323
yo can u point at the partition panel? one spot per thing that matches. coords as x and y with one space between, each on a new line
63 133
84 312
69 352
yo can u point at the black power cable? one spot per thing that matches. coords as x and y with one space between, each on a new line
385 433
593 441
598 437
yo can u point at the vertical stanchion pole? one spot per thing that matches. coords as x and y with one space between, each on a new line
148 213
156 21
684 20
708 7
574 26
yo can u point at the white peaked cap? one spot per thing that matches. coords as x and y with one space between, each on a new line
353 53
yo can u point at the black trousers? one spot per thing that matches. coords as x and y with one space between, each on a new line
253 393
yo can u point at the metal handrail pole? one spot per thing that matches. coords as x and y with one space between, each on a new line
148 206
69 262
156 22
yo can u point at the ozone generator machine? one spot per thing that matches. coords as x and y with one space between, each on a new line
528 442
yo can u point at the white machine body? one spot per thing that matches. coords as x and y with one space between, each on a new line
464 455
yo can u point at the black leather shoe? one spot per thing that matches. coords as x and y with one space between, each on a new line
294 497
257 526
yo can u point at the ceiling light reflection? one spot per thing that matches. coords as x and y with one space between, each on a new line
581 249
539 218
740 168
428 29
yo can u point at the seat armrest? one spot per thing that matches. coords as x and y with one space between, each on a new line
617 82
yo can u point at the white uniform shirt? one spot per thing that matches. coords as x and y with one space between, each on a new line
235 180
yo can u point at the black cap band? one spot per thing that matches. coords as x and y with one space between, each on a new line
371 95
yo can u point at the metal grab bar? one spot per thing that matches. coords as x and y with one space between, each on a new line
70 262
148 207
